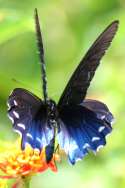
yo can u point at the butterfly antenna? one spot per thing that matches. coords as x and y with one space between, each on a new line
41 55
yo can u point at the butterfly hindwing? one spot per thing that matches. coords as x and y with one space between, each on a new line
80 131
29 117
100 109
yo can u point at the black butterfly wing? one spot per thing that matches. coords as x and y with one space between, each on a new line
100 109
77 86
29 118
81 130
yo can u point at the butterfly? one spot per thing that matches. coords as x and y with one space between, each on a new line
80 125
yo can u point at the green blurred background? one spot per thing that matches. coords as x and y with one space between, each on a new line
69 27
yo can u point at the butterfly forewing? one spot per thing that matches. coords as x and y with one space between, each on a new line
29 117
77 86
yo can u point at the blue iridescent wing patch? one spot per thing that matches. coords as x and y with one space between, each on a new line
29 118
80 131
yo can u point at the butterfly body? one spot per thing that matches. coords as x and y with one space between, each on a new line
78 124
52 113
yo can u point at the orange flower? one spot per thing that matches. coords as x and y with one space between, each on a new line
17 163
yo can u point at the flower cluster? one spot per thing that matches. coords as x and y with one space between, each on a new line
16 163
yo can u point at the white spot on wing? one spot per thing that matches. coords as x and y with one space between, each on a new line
103 117
107 135
95 139
11 118
16 114
86 145
78 159
15 103
38 139
21 125
8 106
29 135
99 147
17 131
101 129
113 121
11 93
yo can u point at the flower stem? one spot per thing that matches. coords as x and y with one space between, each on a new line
26 182
23 182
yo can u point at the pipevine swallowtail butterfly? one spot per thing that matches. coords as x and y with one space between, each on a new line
79 124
